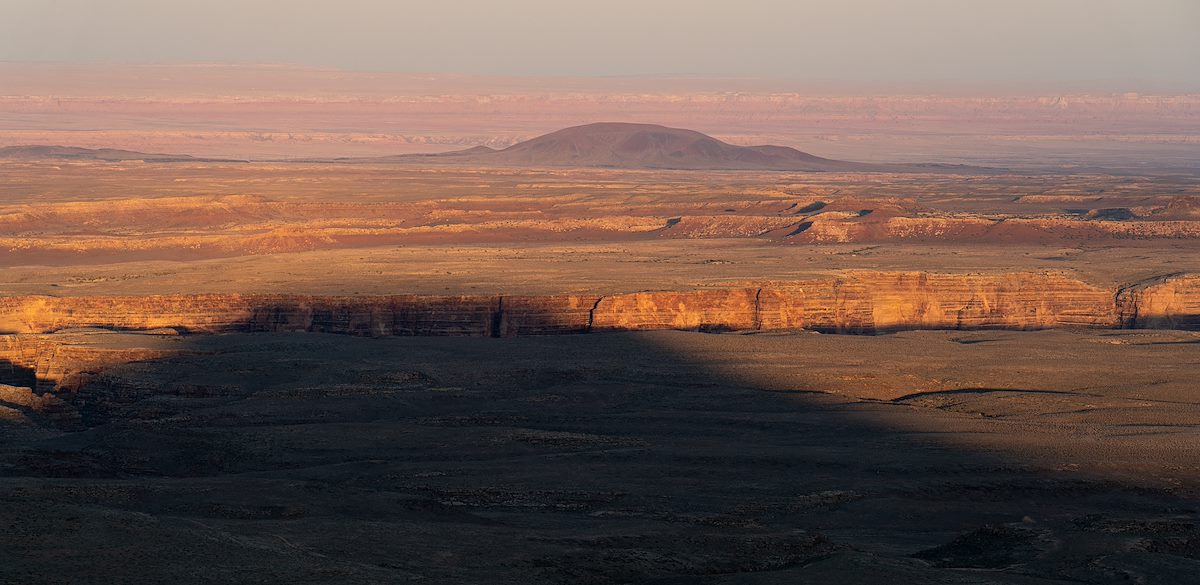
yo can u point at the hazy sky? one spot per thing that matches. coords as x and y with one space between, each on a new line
1114 43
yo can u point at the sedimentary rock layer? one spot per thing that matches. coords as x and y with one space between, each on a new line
856 303
52 345
48 362
1168 302
52 408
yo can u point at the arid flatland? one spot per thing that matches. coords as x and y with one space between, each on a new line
654 457
437 369
540 292
81 227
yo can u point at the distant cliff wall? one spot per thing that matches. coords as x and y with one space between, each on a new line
869 302
1167 302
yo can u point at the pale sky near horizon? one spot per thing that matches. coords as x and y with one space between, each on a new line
1120 44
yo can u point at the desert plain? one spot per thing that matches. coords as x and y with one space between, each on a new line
380 368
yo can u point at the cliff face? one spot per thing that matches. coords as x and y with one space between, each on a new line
53 409
856 303
884 302
704 310
410 315
385 315
872 303
55 345
47 363
1171 302
836 227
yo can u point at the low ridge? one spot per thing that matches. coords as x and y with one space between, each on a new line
75 152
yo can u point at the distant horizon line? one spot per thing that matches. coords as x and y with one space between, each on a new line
914 86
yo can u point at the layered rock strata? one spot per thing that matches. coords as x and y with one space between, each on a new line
56 411
856 303
47 363
54 346
1168 302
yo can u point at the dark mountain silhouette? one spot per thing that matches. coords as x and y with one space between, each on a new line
623 145
617 145
649 146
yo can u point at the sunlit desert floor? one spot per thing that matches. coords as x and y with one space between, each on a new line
137 447
72 227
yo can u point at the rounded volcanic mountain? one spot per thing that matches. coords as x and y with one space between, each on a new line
650 146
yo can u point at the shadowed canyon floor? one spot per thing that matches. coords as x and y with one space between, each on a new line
654 457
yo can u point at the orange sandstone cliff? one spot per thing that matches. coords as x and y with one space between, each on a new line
868 302
52 348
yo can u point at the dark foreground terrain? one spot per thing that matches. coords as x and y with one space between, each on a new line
651 457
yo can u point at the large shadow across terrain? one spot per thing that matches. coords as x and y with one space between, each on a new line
16 375
654 457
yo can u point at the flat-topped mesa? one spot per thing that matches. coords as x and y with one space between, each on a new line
866 302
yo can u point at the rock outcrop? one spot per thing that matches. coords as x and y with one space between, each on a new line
883 302
867 302
52 363
1168 302
837 227
53 347
50 407
872 303
709 310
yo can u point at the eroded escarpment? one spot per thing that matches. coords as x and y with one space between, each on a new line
58 346
405 315
1166 302
868 302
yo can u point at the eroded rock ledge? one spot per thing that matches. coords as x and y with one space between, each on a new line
863 303
55 351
